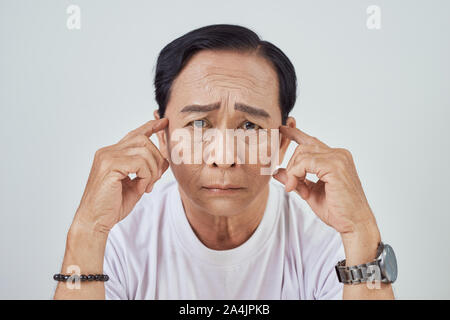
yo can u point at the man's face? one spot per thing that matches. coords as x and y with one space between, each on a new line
222 90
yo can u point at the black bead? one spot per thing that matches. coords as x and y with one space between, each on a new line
83 277
91 277
98 277
65 277
105 277
56 277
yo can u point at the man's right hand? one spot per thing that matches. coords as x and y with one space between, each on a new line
110 194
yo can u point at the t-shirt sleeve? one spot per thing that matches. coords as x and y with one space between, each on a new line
322 248
327 285
115 287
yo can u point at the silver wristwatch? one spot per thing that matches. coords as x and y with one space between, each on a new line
383 268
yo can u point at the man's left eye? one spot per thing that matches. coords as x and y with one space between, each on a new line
247 125
198 123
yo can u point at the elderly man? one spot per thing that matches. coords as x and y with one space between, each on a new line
224 229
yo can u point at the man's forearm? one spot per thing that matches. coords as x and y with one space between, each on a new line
85 249
361 247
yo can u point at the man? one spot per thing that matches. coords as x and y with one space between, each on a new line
222 230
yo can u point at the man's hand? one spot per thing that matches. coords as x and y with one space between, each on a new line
110 194
337 197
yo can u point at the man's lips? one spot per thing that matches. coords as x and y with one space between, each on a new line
223 188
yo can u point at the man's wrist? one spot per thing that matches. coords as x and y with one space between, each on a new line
361 245
82 227
82 233
85 248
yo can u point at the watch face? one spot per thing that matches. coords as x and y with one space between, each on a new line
389 263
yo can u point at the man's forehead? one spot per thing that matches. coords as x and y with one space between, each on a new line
234 75
222 67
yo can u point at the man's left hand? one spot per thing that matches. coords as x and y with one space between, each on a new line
337 197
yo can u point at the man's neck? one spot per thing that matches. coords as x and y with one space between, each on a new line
224 233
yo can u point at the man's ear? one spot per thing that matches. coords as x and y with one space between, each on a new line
162 137
284 143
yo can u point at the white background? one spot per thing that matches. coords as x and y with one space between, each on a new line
382 94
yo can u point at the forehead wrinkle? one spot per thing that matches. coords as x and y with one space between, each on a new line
252 85
221 77
247 86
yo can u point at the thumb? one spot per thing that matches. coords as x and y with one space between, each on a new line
302 188
280 175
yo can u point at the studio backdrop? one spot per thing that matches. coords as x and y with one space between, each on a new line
77 75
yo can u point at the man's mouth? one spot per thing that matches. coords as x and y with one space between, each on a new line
223 188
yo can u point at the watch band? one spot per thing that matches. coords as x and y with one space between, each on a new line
361 272
355 274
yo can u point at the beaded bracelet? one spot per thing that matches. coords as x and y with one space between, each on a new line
81 277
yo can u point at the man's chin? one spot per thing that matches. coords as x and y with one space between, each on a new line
224 205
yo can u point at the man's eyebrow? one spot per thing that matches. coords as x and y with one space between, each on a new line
201 108
257 112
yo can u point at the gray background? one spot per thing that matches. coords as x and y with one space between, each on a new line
383 94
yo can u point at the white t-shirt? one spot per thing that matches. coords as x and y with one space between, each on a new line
154 254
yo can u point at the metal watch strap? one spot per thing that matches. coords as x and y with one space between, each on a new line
355 274
361 272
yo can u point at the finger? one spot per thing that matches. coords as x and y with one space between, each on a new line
281 175
303 187
303 190
289 180
317 163
148 128
132 185
293 158
300 137
157 163
292 181
305 149
164 167
302 149
126 165
148 156
142 141
311 184
160 160
152 126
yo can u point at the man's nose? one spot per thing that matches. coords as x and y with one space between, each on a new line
223 165
222 151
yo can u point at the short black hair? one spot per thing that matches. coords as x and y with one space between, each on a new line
174 56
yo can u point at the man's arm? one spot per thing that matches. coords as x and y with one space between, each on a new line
85 249
109 196
361 247
337 198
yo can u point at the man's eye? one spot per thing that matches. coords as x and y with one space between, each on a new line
199 123
247 125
